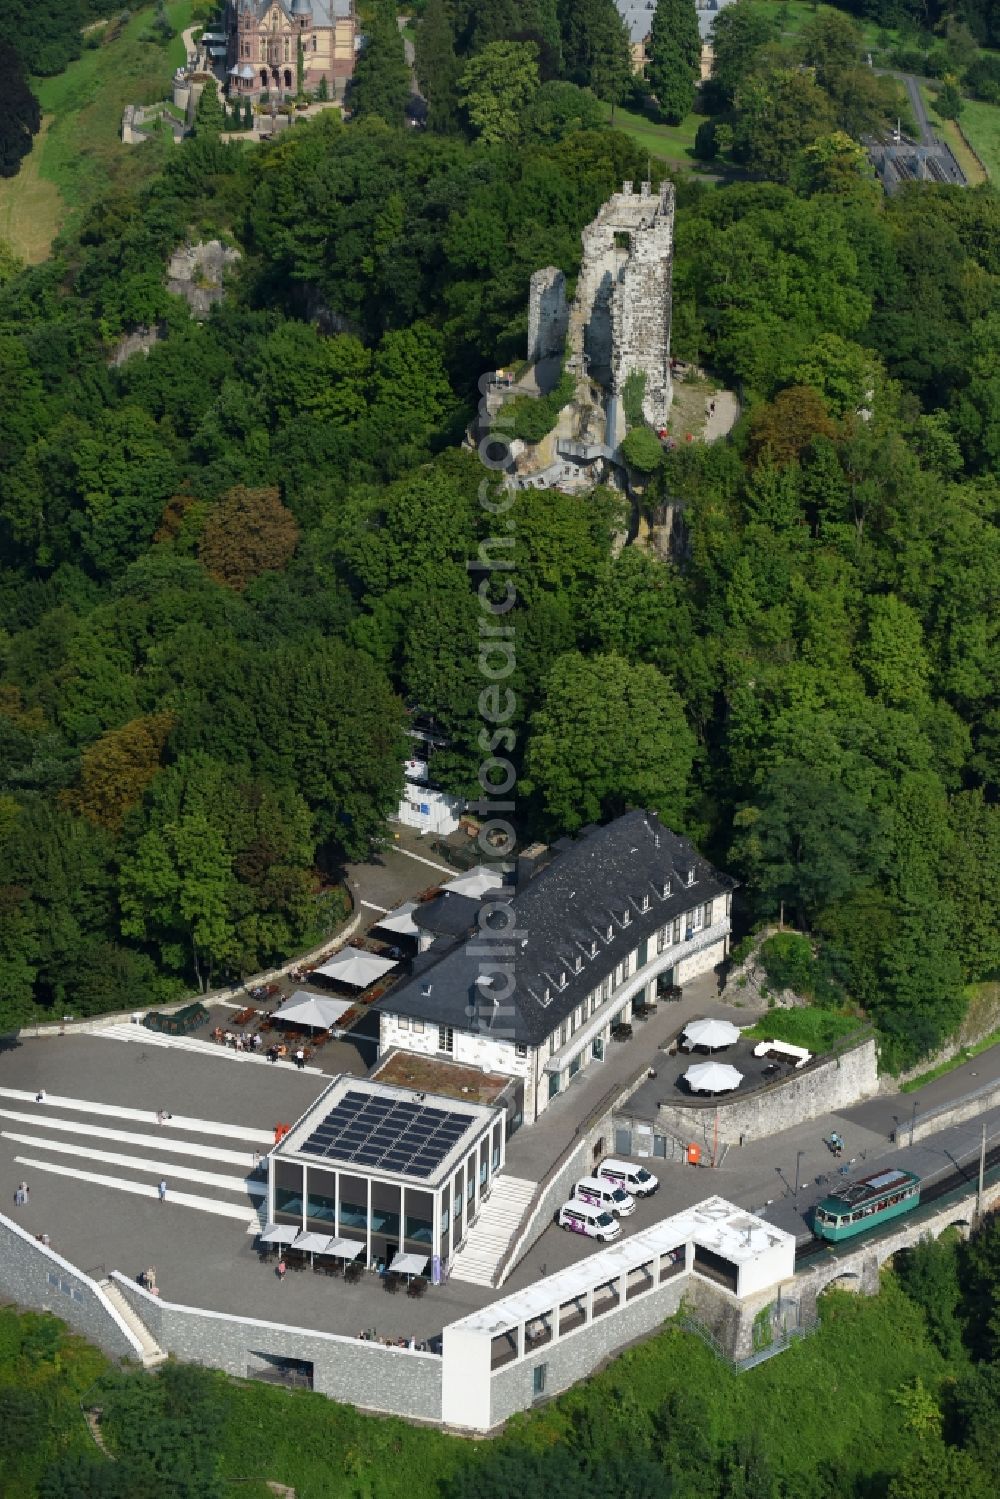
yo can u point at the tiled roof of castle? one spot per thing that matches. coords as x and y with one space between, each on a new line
562 917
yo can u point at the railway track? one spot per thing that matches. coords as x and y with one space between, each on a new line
960 1176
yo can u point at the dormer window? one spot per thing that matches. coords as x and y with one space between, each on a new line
547 996
578 963
665 889
626 917
593 949
690 875
645 902
611 930
562 979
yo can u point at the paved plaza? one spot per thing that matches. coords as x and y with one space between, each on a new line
92 1153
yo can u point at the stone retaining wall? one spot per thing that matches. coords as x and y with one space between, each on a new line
34 1276
818 1089
399 1381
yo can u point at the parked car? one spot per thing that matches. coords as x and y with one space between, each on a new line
582 1218
635 1179
601 1193
621 1031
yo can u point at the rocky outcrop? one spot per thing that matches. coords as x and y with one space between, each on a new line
197 272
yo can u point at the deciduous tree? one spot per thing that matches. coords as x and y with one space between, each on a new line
248 532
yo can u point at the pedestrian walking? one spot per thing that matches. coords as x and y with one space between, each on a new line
300 1059
21 1195
282 1270
40 1096
162 1189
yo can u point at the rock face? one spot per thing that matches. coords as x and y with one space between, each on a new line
619 323
548 314
138 342
196 273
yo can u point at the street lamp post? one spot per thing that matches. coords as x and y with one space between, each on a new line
798 1160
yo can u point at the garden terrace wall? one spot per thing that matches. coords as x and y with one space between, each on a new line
397 1381
830 1083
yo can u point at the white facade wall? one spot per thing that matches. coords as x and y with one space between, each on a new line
494 1054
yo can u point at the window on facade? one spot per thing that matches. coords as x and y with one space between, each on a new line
404 1023
696 919
562 1034
578 964
708 913
677 928
593 949
418 1025
662 938
595 1000
446 1038
562 979
605 989
538 1379
520 1050
553 1044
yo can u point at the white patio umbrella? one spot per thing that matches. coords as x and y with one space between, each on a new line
712 1077
400 921
279 1233
711 1033
315 1010
354 966
475 882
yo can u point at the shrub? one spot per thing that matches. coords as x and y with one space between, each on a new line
633 393
641 450
531 420
787 960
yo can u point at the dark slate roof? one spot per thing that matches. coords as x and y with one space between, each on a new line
559 915
447 914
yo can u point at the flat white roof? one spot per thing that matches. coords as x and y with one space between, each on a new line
714 1224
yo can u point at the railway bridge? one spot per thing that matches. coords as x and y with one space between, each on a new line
855 1265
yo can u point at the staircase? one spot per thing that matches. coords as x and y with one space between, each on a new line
139 1033
152 1353
499 1217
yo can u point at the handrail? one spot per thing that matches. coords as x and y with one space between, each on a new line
603 1106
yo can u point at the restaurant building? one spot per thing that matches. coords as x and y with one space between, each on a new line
529 978
391 1169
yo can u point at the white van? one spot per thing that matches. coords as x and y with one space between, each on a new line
635 1179
582 1218
605 1194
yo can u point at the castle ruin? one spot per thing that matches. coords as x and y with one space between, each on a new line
619 322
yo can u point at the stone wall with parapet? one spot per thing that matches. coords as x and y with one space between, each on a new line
33 1275
398 1381
833 1083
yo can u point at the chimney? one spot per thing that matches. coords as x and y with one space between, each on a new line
528 862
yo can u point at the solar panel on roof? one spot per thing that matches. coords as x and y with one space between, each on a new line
398 1135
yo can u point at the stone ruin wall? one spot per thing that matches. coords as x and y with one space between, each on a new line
548 315
619 322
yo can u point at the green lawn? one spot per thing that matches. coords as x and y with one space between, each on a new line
667 142
81 156
981 124
811 1026
794 14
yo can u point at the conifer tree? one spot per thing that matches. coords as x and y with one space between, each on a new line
210 114
674 57
381 84
596 49
437 66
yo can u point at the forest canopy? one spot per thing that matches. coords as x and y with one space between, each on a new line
235 564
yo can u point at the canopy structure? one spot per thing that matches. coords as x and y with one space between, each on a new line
475 882
313 1010
711 1034
279 1233
354 966
409 1264
712 1077
401 920
344 1249
315 1243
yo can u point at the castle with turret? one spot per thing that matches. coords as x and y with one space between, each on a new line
285 47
